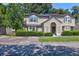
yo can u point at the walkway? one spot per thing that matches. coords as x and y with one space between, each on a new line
17 40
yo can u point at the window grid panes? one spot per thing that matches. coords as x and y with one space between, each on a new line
67 19
67 28
33 18
30 28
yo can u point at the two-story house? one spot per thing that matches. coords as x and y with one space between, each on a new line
55 23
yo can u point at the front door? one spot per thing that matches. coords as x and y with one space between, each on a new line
53 28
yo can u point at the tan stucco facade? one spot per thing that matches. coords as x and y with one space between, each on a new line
47 26
44 24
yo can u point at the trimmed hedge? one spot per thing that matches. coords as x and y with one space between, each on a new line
31 33
21 32
70 33
48 34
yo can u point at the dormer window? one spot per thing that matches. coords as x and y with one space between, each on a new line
67 19
33 18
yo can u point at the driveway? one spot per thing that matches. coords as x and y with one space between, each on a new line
7 40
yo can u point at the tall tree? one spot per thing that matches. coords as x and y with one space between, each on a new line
39 8
75 12
6 15
1 14
15 17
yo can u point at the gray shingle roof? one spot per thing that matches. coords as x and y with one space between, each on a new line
48 15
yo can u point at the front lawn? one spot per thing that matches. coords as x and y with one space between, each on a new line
59 39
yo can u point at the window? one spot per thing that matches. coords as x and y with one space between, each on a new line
33 18
67 19
31 28
66 28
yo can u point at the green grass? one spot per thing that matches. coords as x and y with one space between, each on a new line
60 39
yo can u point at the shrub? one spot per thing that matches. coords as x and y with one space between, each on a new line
70 33
32 33
67 33
22 32
75 32
48 34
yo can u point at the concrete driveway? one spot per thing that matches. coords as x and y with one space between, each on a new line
7 40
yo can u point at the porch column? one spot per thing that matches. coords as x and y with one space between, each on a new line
58 30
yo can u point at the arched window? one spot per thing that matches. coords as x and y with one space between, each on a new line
67 19
33 18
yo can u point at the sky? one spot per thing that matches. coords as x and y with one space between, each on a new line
64 5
